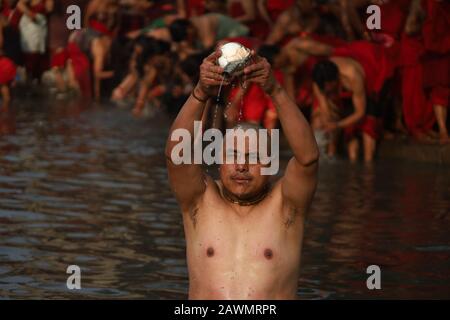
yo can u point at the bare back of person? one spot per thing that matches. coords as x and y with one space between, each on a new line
350 71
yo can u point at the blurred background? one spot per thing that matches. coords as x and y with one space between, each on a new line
84 115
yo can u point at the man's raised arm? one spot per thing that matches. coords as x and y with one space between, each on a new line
187 179
299 181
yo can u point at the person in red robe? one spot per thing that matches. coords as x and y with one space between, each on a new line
7 68
359 71
87 48
190 8
424 68
246 12
436 62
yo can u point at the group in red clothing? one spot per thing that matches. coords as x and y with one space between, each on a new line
349 79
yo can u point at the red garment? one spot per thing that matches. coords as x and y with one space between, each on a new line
417 113
436 70
7 70
195 8
276 7
425 68
258 27
36 9
436 27
80 64
393 18
255 102
39 8
303 74
6 10
81 67
100 27
369 124
59 59
436 60
14 18
374 60
440 96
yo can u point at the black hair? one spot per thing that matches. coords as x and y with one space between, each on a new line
269 52
191 65
179 29
151 47
323 72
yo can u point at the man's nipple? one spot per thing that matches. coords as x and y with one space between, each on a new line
210 252
268 254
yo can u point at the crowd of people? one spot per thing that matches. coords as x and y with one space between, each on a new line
356 85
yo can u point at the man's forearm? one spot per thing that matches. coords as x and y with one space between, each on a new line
191 111
350 120
297 130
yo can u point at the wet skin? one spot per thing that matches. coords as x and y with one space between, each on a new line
243 255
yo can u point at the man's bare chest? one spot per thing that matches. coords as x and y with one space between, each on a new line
264 236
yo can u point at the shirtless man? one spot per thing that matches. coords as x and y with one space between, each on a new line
329 78
244 236
357 70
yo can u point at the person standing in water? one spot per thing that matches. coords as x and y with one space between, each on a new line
243 233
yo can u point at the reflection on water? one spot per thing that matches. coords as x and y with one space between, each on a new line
88 186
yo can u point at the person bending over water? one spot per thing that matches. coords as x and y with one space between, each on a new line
244 234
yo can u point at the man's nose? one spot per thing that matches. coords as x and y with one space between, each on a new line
242 167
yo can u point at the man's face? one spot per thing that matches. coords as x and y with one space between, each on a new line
244 181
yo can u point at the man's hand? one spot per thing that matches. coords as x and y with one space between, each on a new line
260 72
211 77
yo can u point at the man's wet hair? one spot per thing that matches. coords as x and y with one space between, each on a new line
179 29
247 125
244 126
269 52
324 72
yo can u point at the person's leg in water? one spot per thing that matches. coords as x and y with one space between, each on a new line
72 80
125 87
59 79
441 118
353 149
6 97
369 146
332 144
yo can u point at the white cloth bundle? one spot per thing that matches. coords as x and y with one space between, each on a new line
33 33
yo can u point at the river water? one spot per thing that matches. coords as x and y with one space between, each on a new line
87 185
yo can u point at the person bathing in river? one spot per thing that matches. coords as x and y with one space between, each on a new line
243 233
